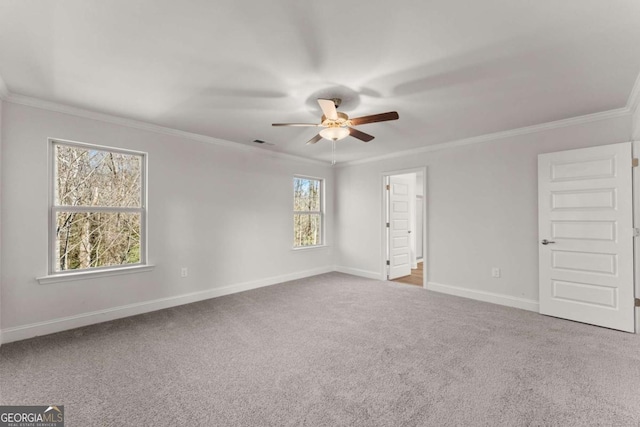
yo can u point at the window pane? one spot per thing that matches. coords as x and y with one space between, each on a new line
306 230
306 194
96 239
88 177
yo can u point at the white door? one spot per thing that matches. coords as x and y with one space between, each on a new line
399 247
585 223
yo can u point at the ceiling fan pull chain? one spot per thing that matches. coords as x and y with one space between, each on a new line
333 152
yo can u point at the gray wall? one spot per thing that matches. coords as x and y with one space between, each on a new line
481 209
224 213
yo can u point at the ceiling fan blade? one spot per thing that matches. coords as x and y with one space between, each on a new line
328 108
360 135
383 117
315 139
295 124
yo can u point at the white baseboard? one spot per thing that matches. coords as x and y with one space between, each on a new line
357 272
65 323
501 299
84 319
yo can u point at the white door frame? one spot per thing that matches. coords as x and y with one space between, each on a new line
425 216
636 223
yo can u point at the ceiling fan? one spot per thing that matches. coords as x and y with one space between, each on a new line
338 125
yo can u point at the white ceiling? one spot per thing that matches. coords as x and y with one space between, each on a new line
452 69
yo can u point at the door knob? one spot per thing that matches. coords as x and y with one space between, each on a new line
546 242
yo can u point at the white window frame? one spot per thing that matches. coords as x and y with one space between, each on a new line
320 212
54 209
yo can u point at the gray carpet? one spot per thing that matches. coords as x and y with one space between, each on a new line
331 350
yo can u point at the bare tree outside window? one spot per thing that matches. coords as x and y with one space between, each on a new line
98 207
307 212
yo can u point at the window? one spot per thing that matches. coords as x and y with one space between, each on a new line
98 212
307 212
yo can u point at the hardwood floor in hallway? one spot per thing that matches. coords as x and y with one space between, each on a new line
416 277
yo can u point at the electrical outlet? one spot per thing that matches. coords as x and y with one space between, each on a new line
184 272
495 272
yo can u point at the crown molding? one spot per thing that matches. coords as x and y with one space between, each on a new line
137 124
588 118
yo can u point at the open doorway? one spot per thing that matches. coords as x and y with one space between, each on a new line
404 228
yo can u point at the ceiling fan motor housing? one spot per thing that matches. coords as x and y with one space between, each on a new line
342 120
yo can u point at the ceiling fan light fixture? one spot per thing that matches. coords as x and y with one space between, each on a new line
334 133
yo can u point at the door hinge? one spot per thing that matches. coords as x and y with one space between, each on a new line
634 163
637 302
388 263
388 225
636 232
388 187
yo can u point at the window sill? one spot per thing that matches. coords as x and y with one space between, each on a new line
68 277
306 248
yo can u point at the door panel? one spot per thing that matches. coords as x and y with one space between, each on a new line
585 293
399 246
584 230
585 212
